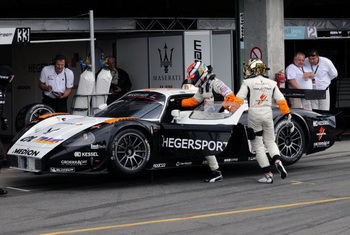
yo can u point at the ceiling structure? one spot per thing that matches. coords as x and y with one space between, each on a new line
163 8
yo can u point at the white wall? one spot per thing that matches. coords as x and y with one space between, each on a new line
223 58
132 56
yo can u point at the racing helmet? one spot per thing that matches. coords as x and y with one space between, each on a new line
254 67
196 72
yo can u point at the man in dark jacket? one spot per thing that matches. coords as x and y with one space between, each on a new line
120 83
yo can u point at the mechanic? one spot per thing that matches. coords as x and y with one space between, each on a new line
6 76
262 91
325 72
208 87
56 82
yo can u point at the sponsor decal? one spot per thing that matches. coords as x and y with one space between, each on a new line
28 138
321 144
51 130
97 146
193 144
323 123
183 163
74 162
62 170
85 154
262 99
72 123
159 165
231 160
47 140
252 158
26 152
321 133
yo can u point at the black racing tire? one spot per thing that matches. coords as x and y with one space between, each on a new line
31 112
291 145
129 153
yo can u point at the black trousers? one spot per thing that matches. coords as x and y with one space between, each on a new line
59 105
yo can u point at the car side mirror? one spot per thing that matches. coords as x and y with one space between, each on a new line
176 114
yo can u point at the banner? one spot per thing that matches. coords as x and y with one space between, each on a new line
197 46
166 63
10 36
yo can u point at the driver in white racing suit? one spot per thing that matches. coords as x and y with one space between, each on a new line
208 84
263 92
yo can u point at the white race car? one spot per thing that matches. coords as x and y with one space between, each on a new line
144 130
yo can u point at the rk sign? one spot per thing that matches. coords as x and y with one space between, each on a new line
10 36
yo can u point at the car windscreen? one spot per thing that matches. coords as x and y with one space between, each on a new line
145 105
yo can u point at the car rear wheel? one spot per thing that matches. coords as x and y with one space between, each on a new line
130 153
291 144
31 112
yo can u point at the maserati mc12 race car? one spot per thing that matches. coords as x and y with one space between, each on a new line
143 130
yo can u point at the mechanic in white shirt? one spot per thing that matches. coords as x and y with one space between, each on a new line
325 72
207 83
263 93
56 82
299 77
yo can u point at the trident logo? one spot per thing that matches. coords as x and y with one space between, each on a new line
165 61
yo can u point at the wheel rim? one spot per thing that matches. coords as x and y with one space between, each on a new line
289 143
131 151
39 112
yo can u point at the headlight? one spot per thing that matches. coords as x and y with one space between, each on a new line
81 139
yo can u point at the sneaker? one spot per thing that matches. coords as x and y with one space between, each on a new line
2 192
215 177
281 169
267 179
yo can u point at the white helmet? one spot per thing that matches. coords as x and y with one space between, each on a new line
196 72
254 67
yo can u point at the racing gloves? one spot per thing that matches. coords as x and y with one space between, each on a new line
282 104
189 102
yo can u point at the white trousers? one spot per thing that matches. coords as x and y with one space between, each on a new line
212 162
322 104
260 119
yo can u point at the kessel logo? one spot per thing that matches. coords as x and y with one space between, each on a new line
165 61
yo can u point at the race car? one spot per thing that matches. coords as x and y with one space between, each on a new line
146 130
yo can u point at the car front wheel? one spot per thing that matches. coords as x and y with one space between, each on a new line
291 144
129 153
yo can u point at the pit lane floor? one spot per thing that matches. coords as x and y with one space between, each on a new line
314 199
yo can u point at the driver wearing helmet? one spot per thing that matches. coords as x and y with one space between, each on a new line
262 92
208 84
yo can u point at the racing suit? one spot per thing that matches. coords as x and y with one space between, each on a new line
263 93
205 93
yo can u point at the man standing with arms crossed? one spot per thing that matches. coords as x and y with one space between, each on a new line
325 72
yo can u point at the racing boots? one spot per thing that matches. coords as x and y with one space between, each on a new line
2 192
281 169
216 176
267 179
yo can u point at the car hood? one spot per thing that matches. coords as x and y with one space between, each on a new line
51 132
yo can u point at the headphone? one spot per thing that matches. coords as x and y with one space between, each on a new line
59 57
